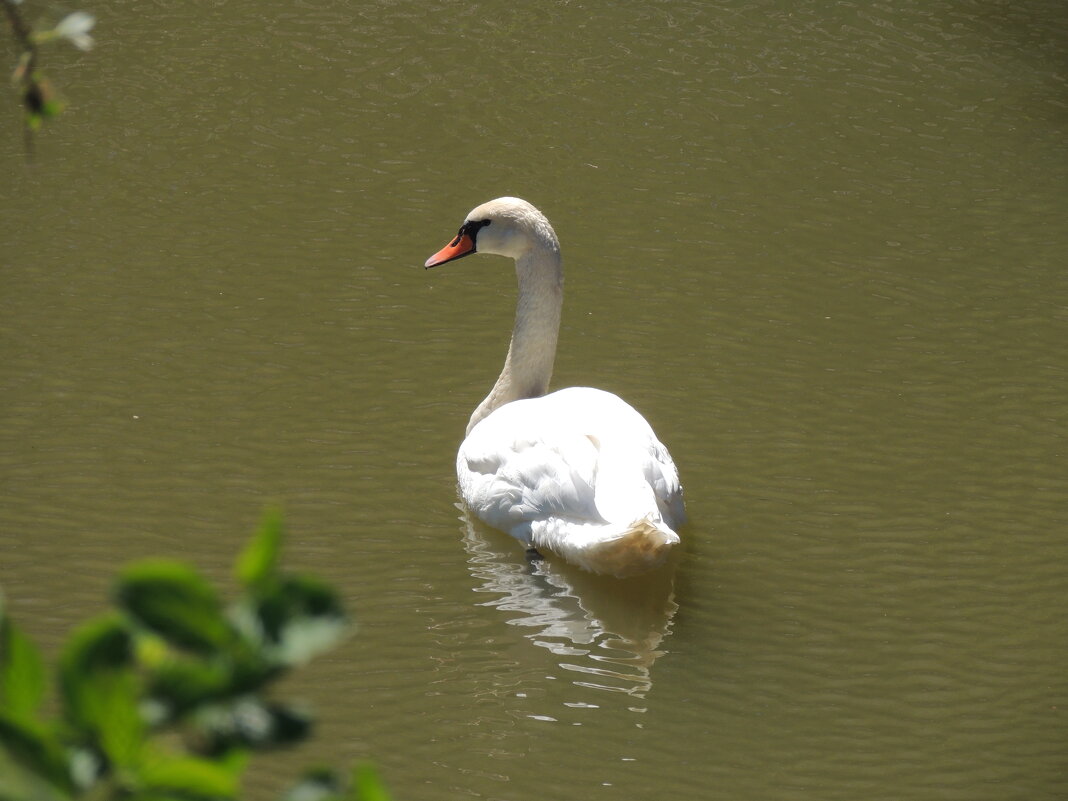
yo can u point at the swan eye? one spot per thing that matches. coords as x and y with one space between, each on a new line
471 228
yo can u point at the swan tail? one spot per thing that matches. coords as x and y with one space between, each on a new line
618 550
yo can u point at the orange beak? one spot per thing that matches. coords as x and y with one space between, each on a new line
462 245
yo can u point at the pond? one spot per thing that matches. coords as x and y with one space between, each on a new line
820 246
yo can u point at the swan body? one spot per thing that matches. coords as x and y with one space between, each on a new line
578 472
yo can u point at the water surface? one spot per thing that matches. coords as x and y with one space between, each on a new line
820 247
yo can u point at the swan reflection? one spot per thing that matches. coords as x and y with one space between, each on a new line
608 630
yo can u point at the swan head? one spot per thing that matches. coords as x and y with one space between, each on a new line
507 226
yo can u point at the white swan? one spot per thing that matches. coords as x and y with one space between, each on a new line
577 472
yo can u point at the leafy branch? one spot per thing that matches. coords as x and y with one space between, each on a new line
163 698
39 100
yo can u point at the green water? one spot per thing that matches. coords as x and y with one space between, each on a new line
820 246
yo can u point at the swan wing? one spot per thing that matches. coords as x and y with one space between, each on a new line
663 477
579 456
513 478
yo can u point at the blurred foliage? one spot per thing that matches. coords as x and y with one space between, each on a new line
163 699
38 98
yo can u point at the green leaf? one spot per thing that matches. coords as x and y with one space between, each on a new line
21 674
100 647
51 109
188 775
181 684
366 786
100 644
99 688
301 617
258 563
306 638
31 748
172 600
119 724
249 722
319 784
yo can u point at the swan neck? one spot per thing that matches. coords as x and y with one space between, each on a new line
528 367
